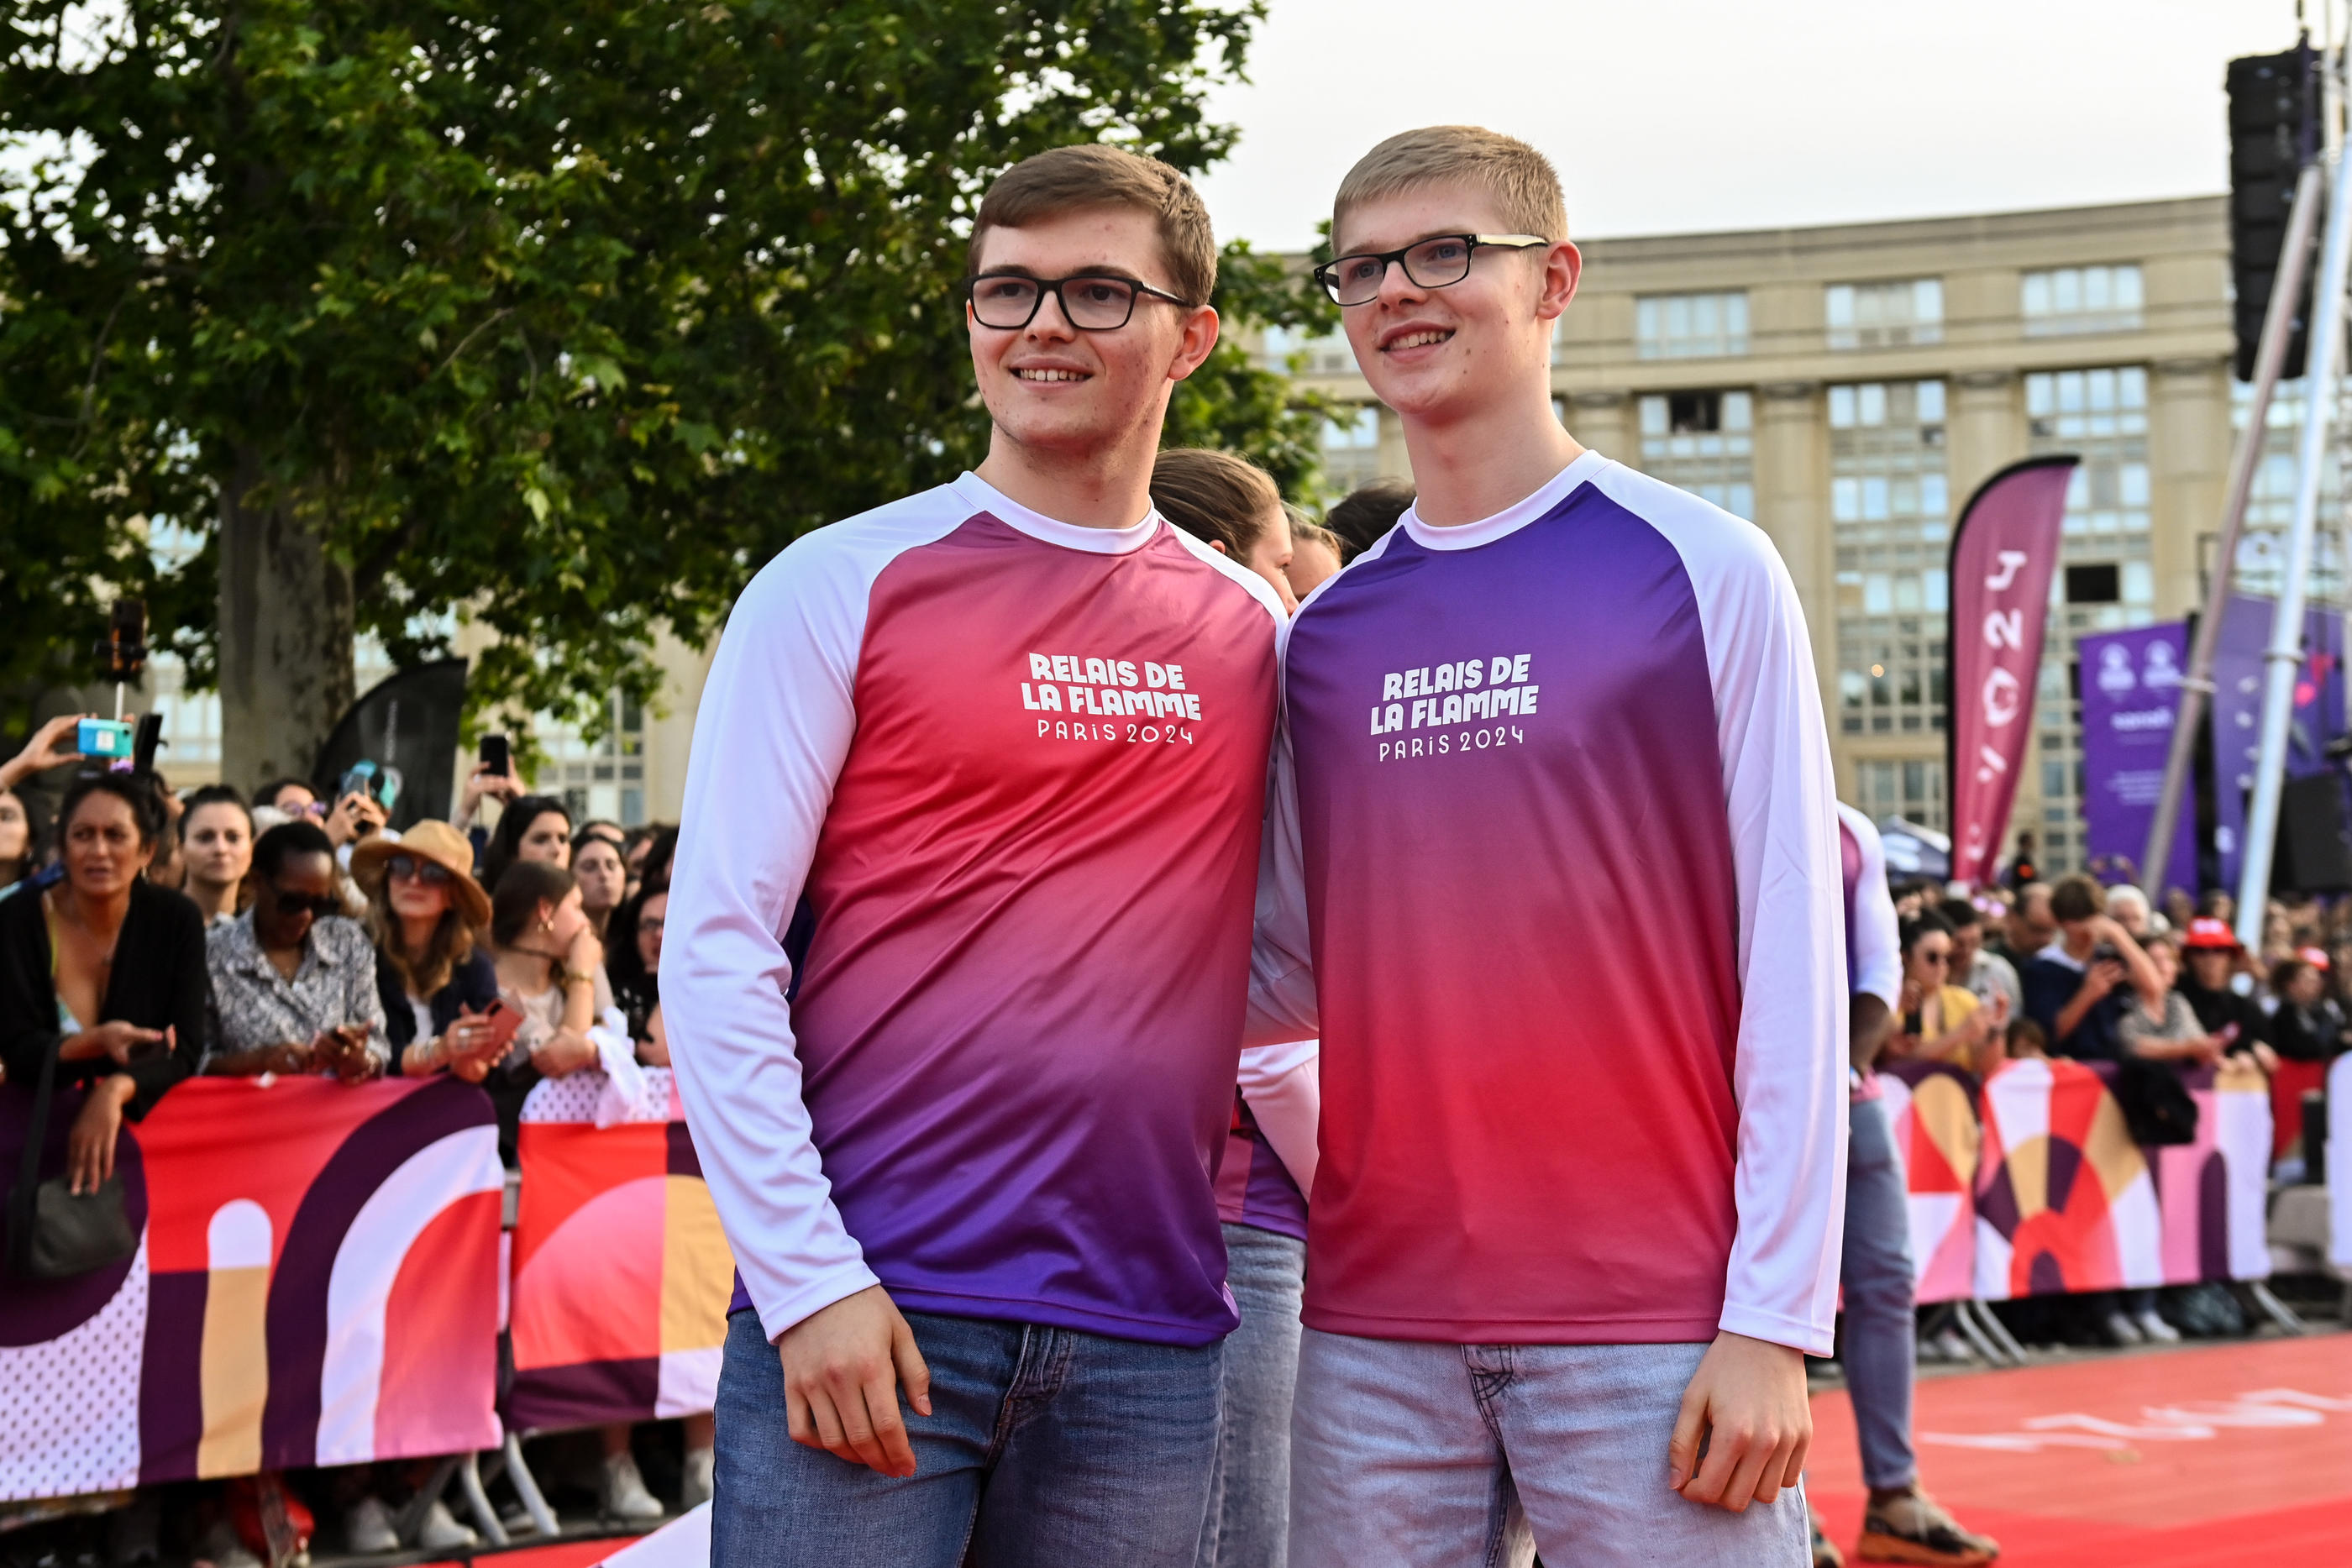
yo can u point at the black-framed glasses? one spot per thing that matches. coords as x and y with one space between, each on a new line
1437 261
432 874
1091 301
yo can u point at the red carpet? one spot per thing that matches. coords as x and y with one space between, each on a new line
556 1554
2234 1456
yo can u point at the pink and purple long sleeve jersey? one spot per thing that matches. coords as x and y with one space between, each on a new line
1552 864
1017 768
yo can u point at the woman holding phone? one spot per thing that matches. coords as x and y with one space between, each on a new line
429 916
102 973
293 979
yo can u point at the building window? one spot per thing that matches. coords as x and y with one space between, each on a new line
1290 353
1351 448
1890 506
2270 507
604 778
2081 299
2108 578
1690 326
1703 441
1910 788
1884 315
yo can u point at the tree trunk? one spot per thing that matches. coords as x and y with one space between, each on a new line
285 636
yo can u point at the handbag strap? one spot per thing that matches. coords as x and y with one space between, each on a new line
28 1167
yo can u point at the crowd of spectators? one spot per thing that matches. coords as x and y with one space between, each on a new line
146 938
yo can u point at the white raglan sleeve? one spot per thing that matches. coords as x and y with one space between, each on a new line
1281 970
1876 960
770 738
1789 1074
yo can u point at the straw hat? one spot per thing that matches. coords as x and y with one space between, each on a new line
442 844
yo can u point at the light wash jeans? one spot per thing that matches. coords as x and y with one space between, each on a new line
1881 1344
1413 1455
1249 1498
1046 1447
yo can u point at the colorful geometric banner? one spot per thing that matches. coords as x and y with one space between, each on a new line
2339 1163
621 1273
2066 1201
1932 1109
316 1285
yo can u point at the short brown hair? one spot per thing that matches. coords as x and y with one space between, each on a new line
1520 179
1214 496
1074 179
2075 897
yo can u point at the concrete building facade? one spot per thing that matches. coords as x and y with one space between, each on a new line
1846 388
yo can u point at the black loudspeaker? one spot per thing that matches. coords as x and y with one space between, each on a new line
2314 855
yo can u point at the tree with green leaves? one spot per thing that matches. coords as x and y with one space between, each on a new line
561 318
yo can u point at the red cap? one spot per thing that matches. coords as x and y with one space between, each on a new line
2314 956
2209 933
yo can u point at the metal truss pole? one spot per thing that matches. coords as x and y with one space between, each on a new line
2285 654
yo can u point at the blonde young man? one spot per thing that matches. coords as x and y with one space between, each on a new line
1577 1212
1004 743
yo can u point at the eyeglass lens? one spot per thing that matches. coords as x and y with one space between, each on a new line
431 873
1432 264
1008 302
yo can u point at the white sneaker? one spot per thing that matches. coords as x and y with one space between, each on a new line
697 1487
441 1532
1956 1350
2122 1330
367 1527
623 1489
2151 1324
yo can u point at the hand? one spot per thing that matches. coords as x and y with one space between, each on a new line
2100 978
45 750
355 816
563 1053
1747 1402
2265 1057
584 955
482 781
841 1367
344 1053
2209 1050
114 1039
90 1148
1999 1008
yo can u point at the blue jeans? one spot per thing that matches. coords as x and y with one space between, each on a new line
1249 1498
1046 1447
1415 1454
1875 1269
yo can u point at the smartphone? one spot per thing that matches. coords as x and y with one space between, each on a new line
2107 953
145 738
503 1021
373 779
152 1050
108 739
496 755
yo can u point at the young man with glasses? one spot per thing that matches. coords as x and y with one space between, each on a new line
1003 747
1576 1218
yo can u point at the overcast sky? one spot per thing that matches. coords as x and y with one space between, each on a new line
1681 116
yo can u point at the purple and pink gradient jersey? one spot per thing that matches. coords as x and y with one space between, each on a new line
1254 1186
1553 854
1018 769
1874 942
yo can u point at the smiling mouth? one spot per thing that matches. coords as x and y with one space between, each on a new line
1416 339
1051 375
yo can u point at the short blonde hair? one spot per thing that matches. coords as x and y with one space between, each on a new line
1520 179
1076 179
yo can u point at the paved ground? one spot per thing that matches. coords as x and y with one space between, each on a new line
2220 1455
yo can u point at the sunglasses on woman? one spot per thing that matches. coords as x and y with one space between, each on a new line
432 874
318 905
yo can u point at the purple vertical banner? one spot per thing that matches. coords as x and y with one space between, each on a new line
2131 697
2318 715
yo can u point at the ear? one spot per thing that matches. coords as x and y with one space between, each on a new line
1193 346
1563 265
1219 546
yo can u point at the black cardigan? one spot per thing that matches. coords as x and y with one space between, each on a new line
159 981
472 984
